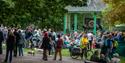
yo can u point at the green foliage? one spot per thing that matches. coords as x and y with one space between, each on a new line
122 60
39 12
115 11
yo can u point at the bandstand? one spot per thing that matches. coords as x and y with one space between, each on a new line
92 10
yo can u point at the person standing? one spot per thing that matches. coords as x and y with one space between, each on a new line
16 33
59 47
10 46
84 43
90 38
109 46
51 42
1 40
21 44
5 33
45 45
105 45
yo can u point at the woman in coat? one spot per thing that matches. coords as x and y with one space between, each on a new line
10 46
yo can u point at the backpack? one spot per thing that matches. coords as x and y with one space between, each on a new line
59 43
115 43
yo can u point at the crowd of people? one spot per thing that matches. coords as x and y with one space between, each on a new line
13 39
17 39
108 42
53 42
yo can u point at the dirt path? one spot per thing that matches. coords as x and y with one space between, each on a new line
38 59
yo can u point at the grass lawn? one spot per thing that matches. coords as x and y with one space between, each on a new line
65 52
122 59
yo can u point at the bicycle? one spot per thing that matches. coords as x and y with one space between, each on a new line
75 52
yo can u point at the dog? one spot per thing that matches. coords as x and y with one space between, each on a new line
35 51
31 52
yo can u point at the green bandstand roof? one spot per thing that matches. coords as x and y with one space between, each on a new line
92 6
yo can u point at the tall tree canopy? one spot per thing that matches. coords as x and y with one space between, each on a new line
115 11
39 12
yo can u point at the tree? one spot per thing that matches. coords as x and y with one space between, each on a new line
4 12
115 11
39 12
53 11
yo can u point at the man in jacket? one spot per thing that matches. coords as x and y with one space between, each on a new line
45 45
16 34
1 40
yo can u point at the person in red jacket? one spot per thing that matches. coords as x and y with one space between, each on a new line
59 47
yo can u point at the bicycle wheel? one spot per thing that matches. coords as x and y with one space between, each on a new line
74 56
